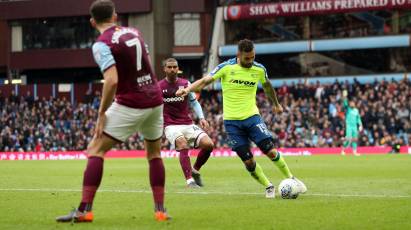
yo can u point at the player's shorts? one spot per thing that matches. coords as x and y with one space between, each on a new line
351 132
192 133
240 132
123 121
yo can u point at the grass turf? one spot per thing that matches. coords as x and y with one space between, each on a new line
366 192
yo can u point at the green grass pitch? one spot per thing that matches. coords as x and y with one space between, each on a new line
366 192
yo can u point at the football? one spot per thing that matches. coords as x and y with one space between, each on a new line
288 189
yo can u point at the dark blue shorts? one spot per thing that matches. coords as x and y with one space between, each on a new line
240 132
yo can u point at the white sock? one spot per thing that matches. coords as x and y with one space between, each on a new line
191 180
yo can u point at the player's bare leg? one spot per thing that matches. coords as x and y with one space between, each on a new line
157 177
91 179
206 146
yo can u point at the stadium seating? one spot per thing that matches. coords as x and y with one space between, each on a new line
313 117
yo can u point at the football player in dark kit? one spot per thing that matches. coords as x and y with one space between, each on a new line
129 80
179 128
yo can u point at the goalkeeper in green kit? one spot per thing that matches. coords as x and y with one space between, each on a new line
353 125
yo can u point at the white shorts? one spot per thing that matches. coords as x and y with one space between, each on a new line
192 133
123 121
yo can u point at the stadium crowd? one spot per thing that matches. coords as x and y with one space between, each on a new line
313 117
327 26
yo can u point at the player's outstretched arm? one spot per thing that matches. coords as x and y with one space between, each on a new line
195 105
272 96
196 86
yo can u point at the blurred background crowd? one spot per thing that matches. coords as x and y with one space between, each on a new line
313 117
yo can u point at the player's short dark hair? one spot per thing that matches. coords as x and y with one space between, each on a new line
245 45
102 10
169 60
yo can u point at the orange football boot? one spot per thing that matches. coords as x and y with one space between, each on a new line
161 216
76 216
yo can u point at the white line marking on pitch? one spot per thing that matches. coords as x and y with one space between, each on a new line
201 193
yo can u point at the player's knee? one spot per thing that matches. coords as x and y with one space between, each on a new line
207 144
250 165
153 153
181 143
244 152
267 146
94 150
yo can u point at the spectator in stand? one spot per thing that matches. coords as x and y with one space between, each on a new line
71 125
283 91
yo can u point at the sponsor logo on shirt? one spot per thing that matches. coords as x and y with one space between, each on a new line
144 80
173 99
241 82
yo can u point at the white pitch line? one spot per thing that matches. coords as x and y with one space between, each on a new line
201 193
